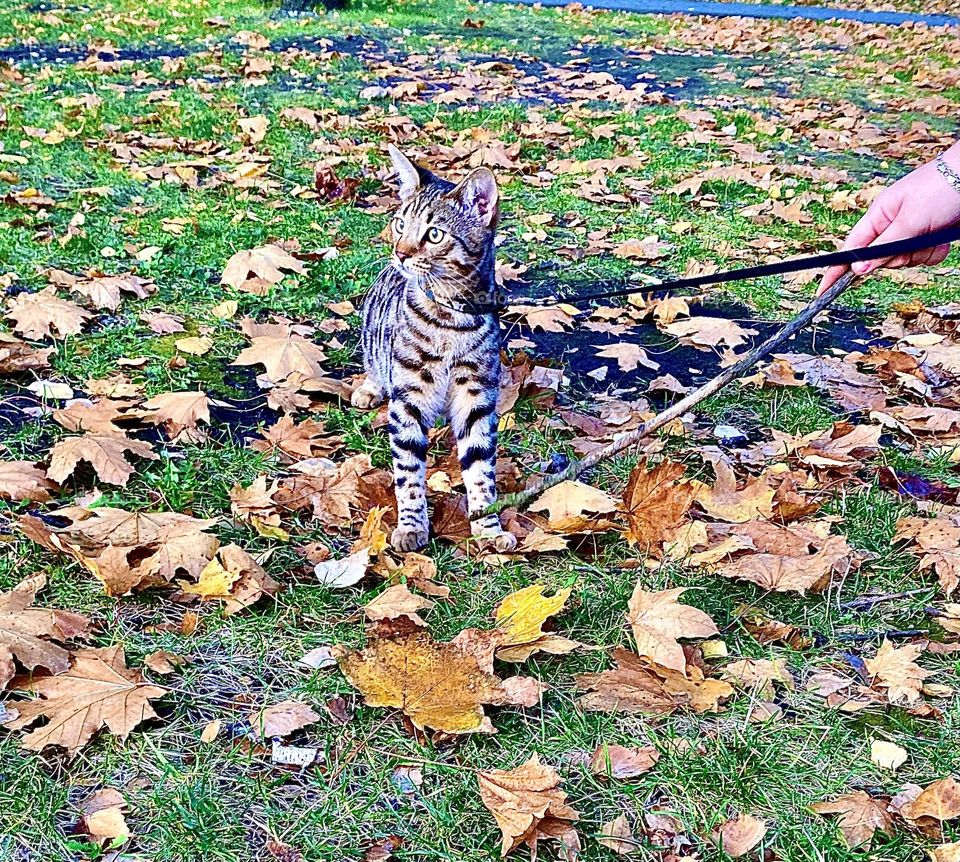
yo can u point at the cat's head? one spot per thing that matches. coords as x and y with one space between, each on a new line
442 232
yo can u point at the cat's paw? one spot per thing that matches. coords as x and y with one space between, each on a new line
409 538
504 542
367 396
498 538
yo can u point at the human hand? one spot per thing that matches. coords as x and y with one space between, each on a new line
921 202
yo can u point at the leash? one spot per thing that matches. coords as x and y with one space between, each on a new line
499 301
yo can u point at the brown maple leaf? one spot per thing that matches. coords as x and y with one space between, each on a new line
283 355
106 291
99 417
98 691
861 815
706 332
334 492
39 315
895 671
785 573
634 686
265 264
17 355
296 441
104 452
655 502
548 318
657 620
938 541
396 602
574 507
178 411
629 356
529 807
29 634
23 480
726 502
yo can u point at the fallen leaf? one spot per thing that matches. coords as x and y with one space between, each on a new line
434 684
940 801
23 480
98 691
281 719
40 315
629 356
706 332
617 761
657 620
895 671
726 503
30 634
759 675
887 755
740 835
178 411
634 687
265 263
655 502
103 819
521 615
573 506
617 836
792 573
104 452
860 817
529 807
397 601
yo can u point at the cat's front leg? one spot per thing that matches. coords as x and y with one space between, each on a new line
408 421
473 417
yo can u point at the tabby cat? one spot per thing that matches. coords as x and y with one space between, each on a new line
432 346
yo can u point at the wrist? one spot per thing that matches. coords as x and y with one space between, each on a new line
951 157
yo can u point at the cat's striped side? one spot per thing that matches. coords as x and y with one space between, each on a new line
426 353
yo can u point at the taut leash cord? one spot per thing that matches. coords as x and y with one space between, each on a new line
499 301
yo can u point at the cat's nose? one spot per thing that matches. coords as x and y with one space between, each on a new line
401 254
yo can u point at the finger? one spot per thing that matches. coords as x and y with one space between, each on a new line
929 256
872 223
829 277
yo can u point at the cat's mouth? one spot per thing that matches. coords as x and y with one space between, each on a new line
412 268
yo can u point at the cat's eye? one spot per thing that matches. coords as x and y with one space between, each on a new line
434 235
398 224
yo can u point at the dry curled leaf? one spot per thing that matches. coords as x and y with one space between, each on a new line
33 636
860 816
618 761
740 835
529 807
281 719
23 480
657 620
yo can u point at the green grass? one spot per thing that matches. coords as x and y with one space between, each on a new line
225 800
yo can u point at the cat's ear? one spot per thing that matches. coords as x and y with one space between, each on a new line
477 193
410 175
